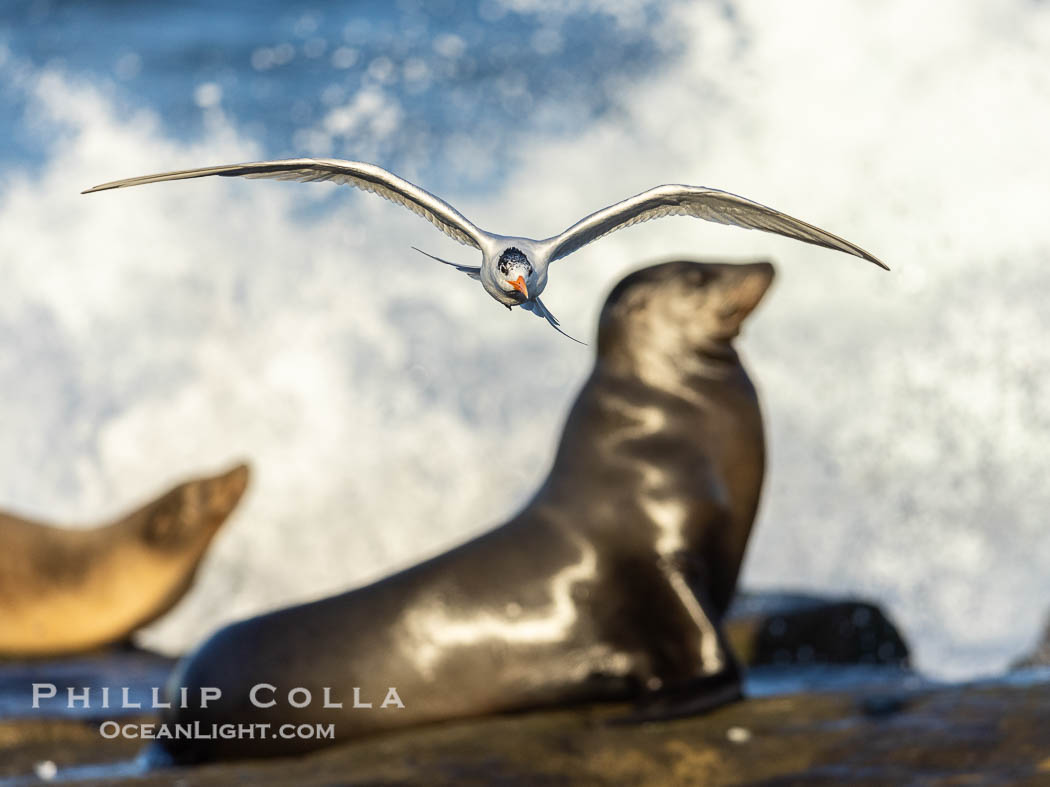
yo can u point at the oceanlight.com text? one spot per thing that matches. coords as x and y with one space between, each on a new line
198 731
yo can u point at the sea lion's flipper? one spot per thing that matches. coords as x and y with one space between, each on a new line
717 677
692 698
714 678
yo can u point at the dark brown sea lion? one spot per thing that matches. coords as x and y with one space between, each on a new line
608 585
65 590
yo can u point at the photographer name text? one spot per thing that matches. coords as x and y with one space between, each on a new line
261 695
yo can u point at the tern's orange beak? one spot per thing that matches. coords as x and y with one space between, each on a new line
519 285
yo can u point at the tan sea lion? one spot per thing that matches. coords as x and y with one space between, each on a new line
66 590
610 584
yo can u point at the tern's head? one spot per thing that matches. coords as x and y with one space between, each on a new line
514 274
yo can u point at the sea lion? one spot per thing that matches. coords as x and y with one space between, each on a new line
608 585
67 590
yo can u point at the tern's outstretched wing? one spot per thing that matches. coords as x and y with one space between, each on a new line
354 173
536 307
703 203
472 271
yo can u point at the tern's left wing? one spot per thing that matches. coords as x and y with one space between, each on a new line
367 177
703 203
536 307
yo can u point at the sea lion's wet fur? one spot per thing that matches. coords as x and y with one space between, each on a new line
608 585
66 590
665 344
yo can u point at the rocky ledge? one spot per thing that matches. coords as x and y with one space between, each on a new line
975 734
809 720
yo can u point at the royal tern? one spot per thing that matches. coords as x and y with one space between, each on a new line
513 269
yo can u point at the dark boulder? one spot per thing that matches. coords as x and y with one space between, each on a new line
775 629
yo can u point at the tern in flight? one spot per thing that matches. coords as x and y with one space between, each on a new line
513 270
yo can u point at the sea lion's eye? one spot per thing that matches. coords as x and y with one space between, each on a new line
165 526
160 528
175 519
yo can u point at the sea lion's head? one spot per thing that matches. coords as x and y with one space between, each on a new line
148 559
186 518
681 306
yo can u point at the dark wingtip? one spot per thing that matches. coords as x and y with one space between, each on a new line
865 255
568 336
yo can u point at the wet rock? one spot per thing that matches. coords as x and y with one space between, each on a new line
841 715
61 733
38 749
117 669
785 628
995 733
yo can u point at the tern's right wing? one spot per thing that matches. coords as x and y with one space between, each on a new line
367 177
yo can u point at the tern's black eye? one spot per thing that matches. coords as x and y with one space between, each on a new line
513 258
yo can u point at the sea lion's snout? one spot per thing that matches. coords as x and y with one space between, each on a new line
223 492
741 288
